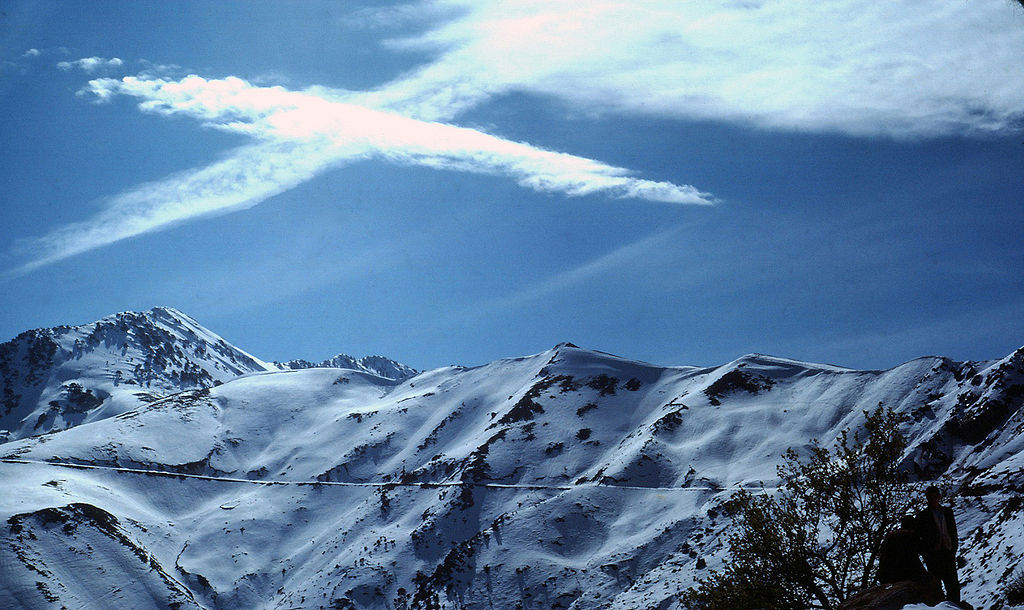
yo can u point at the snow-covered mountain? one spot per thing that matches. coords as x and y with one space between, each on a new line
56 378
566 479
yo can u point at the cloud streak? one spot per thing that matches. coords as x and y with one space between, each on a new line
90 64
905 68
299 134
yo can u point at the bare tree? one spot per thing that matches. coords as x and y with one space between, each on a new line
815 541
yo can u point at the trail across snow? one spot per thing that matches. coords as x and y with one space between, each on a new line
383 484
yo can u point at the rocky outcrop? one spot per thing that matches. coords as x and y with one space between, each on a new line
894 596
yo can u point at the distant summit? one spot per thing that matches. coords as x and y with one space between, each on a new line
375 365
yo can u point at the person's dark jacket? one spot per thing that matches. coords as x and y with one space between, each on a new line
898 557
928 529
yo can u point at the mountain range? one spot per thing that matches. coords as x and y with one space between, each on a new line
148 463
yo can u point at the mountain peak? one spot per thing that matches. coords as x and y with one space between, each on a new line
55 378
170 313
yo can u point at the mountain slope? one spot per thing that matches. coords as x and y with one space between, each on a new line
565 479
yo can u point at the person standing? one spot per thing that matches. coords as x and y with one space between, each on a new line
937 528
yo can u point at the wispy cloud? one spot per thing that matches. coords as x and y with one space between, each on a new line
401 15
299 134
906 68
248 176
622 257
90 64
32 53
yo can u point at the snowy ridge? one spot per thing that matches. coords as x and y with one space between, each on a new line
565 479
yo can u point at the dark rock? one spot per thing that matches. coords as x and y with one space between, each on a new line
734 381
894 596
525 409
604 384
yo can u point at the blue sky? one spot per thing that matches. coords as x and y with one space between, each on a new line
457 181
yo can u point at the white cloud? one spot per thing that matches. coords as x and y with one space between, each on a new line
90 64
31 53
338 130
300 134
897 68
